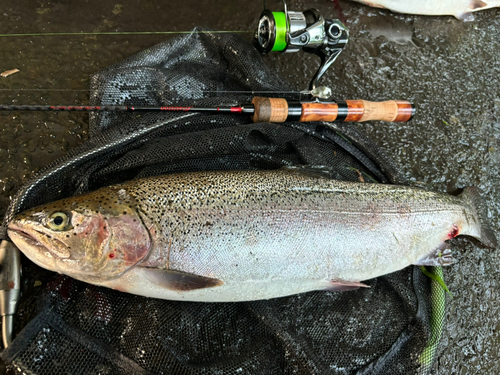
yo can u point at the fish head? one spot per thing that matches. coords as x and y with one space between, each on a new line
92 237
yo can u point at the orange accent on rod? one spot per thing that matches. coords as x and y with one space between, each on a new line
355 110
405 111
319 112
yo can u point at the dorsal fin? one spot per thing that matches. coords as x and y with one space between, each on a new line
314 171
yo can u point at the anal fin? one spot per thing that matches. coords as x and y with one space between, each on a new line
477 4
437 258
180 281
343 286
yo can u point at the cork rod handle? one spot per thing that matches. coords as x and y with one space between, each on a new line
269 109
276 110
391 110
358 111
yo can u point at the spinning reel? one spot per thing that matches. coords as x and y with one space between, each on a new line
309 31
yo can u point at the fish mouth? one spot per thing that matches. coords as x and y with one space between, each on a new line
24 235
38 240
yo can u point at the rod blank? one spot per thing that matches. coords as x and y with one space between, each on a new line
267 110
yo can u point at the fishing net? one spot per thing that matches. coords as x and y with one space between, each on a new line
393 327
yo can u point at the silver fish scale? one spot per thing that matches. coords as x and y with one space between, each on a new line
279 226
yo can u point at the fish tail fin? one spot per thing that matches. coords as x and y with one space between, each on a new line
472 197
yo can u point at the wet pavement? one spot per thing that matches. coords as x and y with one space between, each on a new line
448 68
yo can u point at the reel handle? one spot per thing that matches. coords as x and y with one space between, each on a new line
279 110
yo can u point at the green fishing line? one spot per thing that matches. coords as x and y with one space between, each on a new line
126 33
280 42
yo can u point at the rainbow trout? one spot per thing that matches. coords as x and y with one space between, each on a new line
245 235
461 9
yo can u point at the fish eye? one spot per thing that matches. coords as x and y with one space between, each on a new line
58 221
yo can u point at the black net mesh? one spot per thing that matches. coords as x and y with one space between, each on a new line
84 329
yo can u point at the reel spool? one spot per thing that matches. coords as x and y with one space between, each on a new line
290 31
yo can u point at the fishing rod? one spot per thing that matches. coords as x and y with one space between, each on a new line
266 110
288 32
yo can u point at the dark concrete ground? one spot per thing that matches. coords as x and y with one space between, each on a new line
448 68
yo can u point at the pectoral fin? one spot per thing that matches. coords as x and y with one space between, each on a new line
343 286
180 281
